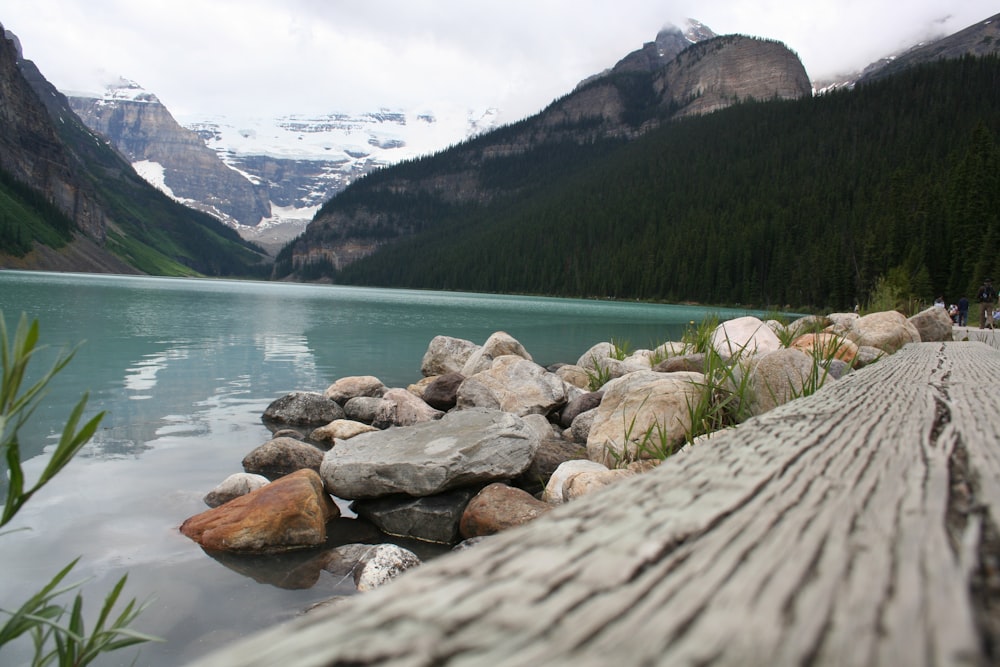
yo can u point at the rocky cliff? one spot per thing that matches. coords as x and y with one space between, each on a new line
719 72
33 152
171 156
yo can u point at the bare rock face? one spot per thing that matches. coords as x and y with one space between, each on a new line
289 513
143 129
712 74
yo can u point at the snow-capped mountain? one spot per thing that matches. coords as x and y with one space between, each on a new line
302 161
266 177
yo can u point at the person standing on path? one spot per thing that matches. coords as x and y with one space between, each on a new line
963 312
986 296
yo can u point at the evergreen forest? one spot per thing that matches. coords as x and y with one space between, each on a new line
805 204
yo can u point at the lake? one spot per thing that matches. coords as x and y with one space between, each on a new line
184 368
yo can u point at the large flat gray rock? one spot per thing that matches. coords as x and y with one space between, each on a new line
463 448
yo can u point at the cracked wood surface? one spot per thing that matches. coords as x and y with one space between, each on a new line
853 527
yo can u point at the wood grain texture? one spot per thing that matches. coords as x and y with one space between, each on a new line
853 527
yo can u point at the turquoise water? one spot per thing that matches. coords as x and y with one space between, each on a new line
183 369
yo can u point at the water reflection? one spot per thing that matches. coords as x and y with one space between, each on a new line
302 569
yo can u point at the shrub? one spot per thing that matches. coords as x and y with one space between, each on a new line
56 630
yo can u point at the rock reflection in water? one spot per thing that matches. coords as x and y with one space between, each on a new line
303 569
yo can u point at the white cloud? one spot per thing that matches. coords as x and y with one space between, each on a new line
262 57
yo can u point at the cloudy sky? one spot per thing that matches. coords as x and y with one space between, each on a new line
270 57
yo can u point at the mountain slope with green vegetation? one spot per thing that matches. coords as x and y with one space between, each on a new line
68 201
800 203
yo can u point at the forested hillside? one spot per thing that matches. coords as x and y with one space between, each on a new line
803 203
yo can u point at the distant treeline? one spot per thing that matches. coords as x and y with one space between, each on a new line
772 203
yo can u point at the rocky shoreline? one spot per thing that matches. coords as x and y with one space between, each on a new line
488 439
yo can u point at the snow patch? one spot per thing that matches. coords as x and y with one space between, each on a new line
152 173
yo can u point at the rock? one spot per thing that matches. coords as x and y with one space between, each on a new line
836 369
810 324
344 560
382 564
779 377
282 456
289 513
597 353
401 408
579 430
362 408
464 448
431 518
513 384
587 482
442 392
303 408
744 336
542 427
824 345
641 413
582 403
499 507
234 486
574 375
685 363
933 325
446 355
500 344
671 349
340 429
554 489
420 386
888 331
867 355
841 323
551 453
347 388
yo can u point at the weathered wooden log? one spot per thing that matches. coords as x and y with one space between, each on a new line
857 526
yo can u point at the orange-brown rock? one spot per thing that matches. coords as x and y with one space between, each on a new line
498 507
289 513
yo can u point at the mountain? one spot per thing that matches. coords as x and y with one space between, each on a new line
617 106
168 155
979 39
70 202
265 177
891 188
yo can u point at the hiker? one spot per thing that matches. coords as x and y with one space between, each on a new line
963 312
986 296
